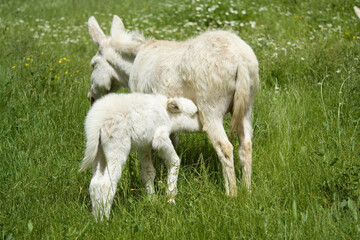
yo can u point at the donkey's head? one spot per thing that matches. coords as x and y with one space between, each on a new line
113 61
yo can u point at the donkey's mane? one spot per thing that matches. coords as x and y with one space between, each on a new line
129 42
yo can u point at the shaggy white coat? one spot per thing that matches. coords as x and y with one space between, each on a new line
119 123
217 70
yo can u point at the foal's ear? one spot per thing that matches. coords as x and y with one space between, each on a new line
172 106
95 31
117 27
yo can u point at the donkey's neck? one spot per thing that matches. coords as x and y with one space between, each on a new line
126 53
124 62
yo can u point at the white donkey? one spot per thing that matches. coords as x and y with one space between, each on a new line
117 123
216 70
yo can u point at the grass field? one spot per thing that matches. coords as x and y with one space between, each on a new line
306 169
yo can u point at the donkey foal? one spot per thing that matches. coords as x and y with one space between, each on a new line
119 123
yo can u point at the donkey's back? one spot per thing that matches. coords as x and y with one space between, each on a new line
208 62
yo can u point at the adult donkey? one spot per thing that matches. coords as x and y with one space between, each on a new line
216 70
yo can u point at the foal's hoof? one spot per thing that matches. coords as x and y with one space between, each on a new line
171 201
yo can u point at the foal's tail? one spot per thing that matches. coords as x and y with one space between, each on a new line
92 149
247 83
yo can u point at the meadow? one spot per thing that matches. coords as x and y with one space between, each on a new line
306 158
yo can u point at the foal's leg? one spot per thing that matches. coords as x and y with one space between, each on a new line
103 190
96 182
147 170
174 139
116 153
166 151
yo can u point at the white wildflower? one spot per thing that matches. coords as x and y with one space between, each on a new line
213 8
253 24
233 11
263 9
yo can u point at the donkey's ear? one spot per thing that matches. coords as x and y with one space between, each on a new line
117 27
172 106
357 11
95 31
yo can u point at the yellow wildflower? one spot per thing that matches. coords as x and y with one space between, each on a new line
28 59
26 64
64 58
13 67
60 61
51 69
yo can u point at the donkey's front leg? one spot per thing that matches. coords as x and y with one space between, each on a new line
224 150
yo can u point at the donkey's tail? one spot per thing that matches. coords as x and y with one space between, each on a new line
247 83
92 149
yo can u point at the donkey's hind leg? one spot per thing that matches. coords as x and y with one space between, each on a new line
245 149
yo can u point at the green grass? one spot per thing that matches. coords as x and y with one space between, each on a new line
306 169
